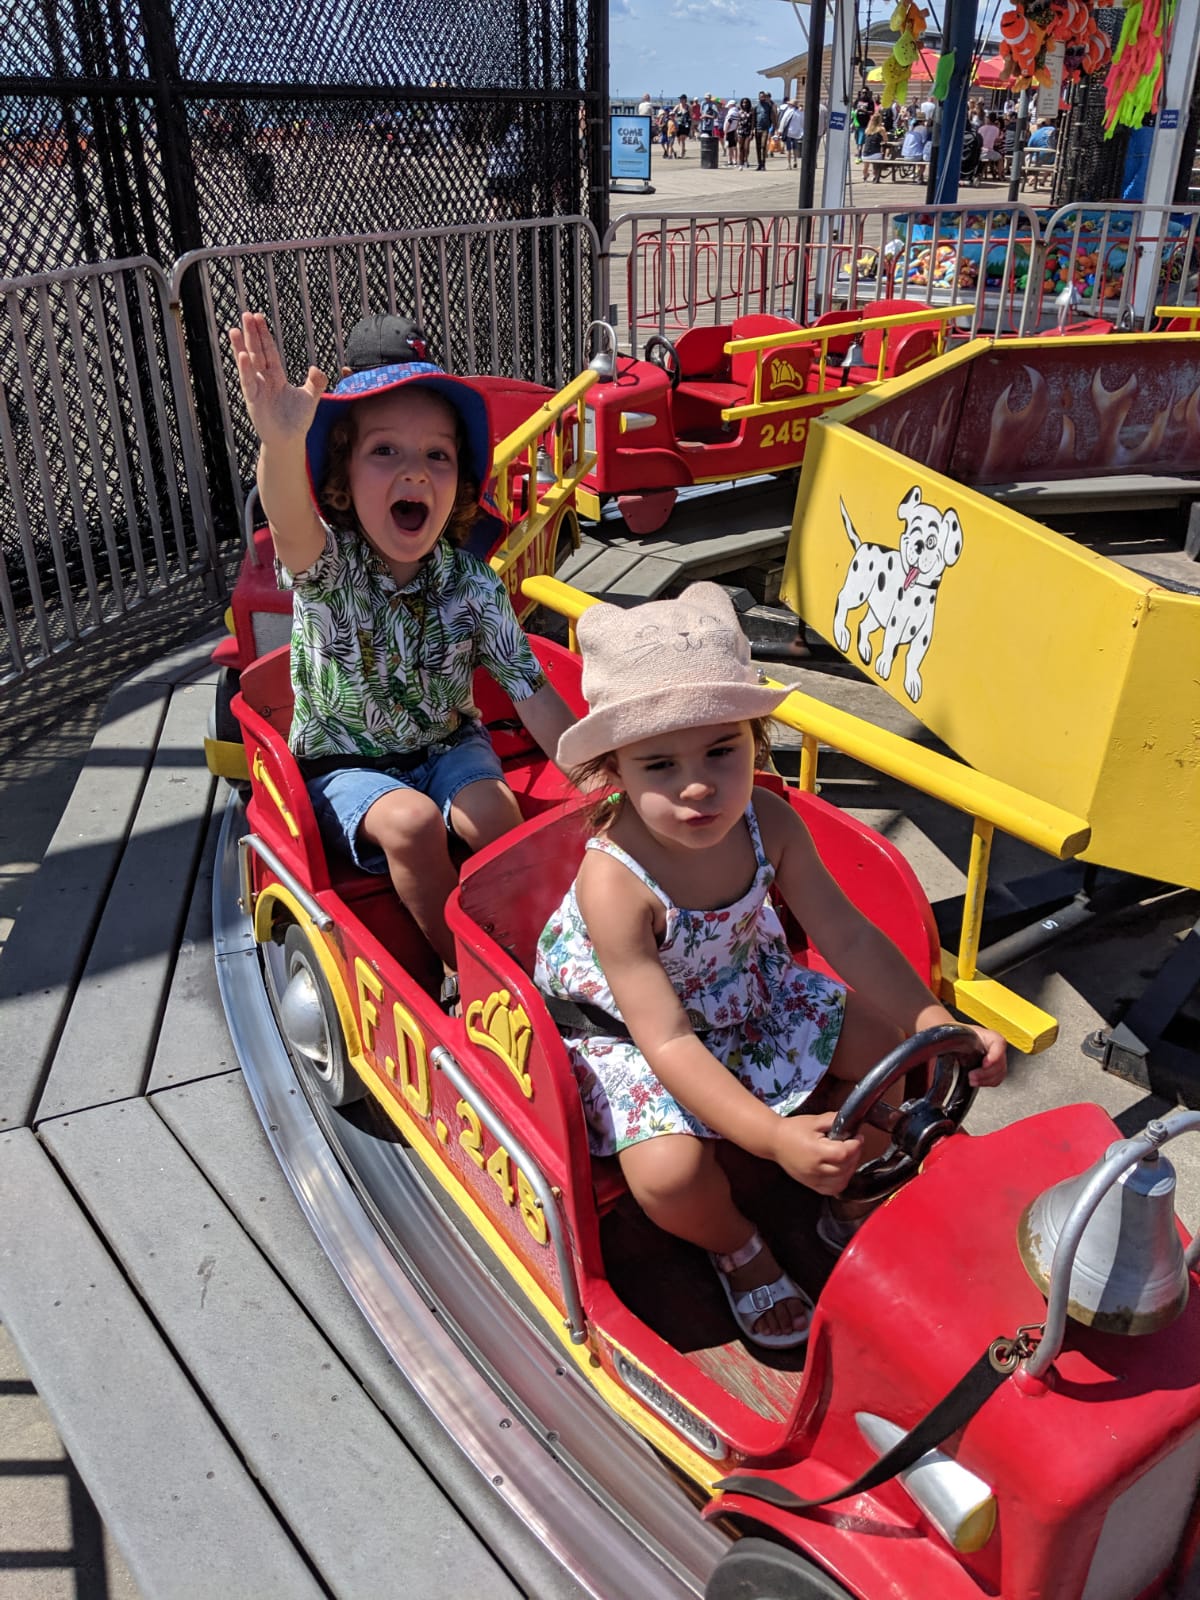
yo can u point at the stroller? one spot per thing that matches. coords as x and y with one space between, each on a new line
972 156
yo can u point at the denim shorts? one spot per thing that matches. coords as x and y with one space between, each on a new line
341 799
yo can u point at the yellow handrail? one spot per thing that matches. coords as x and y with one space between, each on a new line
990 803
545 499
1191 313
852 327
837 330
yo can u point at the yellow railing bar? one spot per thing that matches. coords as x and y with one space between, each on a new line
1039 823
988 801
545 500
531 430
1192 313
803 402
761 343
977 873
837 330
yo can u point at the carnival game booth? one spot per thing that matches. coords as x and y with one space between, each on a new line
916 550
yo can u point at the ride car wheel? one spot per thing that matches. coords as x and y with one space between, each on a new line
308 1020
759 1569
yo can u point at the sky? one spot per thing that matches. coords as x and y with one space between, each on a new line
701 46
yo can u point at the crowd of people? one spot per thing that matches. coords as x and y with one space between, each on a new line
906 132
746 130
750 131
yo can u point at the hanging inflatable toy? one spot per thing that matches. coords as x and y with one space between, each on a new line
908 20
1135 81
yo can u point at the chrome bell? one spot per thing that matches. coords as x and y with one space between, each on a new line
1129 1275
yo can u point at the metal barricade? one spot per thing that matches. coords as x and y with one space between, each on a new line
675 269
506 297
1116 262
102 504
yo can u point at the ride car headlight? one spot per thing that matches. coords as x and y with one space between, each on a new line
961 1506
631 421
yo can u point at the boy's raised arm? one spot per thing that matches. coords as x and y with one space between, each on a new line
281 415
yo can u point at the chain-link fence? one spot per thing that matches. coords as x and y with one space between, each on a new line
145 131
169 125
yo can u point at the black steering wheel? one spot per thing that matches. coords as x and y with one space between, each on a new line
917 1125
660 352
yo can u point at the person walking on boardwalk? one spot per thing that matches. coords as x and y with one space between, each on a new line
764 127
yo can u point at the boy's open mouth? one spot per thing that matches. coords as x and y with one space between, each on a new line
409 515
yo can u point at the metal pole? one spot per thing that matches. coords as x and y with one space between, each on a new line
812 105
841 94
1014 177
961 22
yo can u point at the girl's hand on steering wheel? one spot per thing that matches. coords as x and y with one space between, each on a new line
992 1069
804 1153
281 413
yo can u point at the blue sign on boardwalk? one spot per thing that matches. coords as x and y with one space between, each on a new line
630 148
837 119
1168 119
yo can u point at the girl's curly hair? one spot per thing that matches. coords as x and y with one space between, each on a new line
333 492
596 776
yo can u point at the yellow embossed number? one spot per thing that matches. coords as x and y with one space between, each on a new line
471 1138
498 1169
790 431
532 1214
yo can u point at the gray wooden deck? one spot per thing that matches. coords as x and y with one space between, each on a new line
239 1427
714 533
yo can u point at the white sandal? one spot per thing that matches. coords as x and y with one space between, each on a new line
748 1305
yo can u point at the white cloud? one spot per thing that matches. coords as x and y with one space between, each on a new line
712 10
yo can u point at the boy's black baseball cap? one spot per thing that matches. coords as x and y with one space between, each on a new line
384 339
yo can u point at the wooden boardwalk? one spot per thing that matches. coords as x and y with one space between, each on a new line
238 1425
714 533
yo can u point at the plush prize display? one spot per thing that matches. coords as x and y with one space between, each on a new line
1032 26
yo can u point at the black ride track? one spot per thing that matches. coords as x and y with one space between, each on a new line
608 1509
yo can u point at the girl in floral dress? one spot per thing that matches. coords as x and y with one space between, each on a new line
701 1025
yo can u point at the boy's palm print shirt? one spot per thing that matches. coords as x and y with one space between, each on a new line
379 669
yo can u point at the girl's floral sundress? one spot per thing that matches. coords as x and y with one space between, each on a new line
773 1023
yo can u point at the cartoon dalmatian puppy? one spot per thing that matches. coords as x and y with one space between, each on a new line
898 587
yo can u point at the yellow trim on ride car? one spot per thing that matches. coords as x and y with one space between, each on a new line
761 343
665 1441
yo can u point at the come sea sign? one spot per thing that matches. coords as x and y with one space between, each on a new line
631 148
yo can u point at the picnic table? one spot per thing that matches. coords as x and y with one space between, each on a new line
1039 174
904 167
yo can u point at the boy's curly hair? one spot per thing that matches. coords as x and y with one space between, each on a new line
596 776
333 492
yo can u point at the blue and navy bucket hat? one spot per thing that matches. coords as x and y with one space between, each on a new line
468 402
